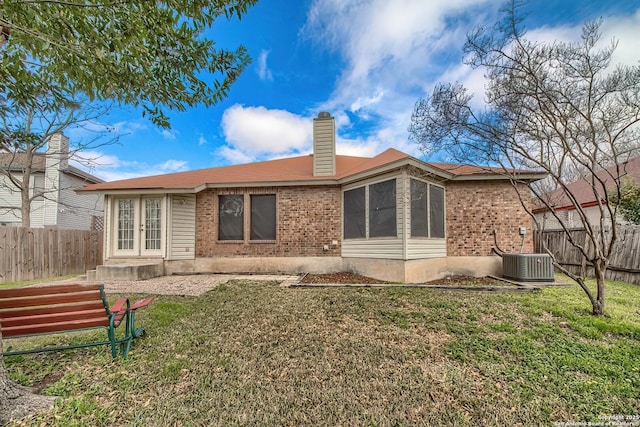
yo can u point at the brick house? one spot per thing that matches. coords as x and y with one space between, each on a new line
391 216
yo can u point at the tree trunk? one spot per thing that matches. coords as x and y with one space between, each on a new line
25 197
598 304
17 401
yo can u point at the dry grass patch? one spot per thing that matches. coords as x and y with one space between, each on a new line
253 353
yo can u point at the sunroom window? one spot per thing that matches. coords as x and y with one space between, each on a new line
436 211
382 209
419 209
427 210
354 214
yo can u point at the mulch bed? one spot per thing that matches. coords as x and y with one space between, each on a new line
343 278
352 278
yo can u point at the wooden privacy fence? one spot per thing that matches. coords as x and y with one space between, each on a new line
39 253
625 261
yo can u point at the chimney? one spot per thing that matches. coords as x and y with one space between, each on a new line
58 152
57 160
324 145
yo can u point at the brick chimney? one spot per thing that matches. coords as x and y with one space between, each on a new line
324 145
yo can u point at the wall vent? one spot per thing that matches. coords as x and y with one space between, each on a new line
528 267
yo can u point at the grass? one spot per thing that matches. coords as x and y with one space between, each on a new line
253 353
35 281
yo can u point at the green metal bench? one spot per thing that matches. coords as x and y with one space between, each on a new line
39 310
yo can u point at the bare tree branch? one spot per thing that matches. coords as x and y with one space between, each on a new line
561 108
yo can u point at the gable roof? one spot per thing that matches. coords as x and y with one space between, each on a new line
16 162
288 171
583 191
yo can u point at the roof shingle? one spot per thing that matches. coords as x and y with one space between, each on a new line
281 171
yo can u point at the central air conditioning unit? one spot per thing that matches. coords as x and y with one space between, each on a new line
528 267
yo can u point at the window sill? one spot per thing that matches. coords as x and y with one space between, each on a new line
261 242
427 238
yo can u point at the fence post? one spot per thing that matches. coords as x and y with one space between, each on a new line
625 262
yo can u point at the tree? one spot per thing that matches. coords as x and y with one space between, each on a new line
141 53
629 201
25 131
17 401
138 52
554 107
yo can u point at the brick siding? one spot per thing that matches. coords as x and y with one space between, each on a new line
475 208
307 219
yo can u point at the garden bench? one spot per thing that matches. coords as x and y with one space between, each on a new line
31 311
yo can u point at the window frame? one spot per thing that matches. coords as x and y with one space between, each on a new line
367 209
424 211
429 185
359 221
443 217
379 212
252 239
242 217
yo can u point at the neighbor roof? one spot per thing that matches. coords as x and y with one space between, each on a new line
583 191
287 171
18 161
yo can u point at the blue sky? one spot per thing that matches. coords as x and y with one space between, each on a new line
365 61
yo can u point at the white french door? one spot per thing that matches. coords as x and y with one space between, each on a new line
138 226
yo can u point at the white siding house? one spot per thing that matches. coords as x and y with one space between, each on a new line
588 197
59 205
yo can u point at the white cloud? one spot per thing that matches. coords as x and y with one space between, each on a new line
260 133
355 147
263 70
169 134
91 160
128 127
626 30
395 52
233 155
88 131
366 101
173 166
113 168
202 140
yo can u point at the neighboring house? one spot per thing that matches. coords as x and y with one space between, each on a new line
56 180
392 216
585 196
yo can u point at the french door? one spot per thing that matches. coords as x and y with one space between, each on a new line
138 226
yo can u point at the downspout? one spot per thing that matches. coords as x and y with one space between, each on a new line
165 226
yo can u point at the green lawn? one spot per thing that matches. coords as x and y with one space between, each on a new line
253 353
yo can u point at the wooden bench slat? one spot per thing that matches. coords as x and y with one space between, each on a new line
142 303
46 290
60 308
119 305
51 318
64 308
55 327
34 301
